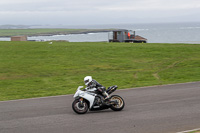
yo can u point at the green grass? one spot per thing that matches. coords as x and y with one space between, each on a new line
37 69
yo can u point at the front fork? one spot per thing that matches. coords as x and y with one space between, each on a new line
81 103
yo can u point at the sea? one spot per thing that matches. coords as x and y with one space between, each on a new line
154 32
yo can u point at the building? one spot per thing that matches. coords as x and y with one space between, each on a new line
19 38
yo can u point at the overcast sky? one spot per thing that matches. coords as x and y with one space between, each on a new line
83 12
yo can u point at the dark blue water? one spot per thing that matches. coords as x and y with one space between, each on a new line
155 33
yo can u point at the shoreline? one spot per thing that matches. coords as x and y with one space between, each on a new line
61 33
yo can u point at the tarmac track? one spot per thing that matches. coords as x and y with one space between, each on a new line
156 109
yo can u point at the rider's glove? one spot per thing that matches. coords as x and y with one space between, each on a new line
85 89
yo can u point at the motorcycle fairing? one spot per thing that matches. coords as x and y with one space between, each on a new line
88 97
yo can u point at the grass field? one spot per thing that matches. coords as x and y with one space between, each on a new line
36 69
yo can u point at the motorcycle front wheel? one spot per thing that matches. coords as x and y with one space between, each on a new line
120 103
80 108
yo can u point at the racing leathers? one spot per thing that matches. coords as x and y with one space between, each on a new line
100 88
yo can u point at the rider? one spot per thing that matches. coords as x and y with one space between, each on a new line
91 83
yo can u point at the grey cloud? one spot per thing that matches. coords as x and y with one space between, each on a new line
96 11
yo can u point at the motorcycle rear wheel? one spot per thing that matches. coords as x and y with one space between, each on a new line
79 109
120 101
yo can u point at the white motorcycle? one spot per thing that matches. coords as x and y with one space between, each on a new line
91 99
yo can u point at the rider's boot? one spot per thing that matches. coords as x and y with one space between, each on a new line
106 96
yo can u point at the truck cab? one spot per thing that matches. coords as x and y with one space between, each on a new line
125 36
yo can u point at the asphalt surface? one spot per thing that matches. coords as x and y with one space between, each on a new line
158 109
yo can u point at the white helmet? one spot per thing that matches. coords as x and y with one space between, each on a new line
87 80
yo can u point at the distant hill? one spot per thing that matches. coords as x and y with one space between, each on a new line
11 31
14 26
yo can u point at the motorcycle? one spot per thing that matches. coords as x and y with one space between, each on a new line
93 100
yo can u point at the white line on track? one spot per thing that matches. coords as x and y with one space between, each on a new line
193 130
